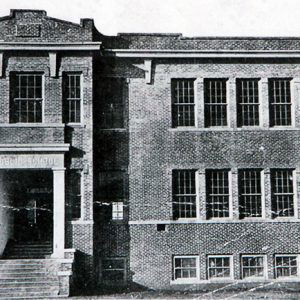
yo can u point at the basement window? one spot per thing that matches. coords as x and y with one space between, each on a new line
113 271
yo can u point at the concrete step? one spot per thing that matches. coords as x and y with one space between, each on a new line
29 279
18 275
20 283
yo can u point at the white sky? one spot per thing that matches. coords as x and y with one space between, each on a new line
190 17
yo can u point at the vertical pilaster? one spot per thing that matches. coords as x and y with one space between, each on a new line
58 213
202 195
199 100
231 103
234 194
264 103
295 94
267 193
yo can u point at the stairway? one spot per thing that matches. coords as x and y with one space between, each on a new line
27 271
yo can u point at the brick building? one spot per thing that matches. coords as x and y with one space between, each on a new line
152 159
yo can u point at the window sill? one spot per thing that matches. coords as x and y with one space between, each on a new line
81 222
32 125
187 281
75 125
197 129
111 129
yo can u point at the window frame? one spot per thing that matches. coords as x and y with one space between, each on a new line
264 265
294 194
239 119
231 275
287 277
196 195
207 195
102 270
190 279
14 86
272 121
224 81
173 104
115 214
66 99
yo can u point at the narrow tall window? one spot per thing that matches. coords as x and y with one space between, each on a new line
250 193
280 102
286 265
186 268
282 193
26 98
184 194
253 266
75 192
183 102
110 109
215 103
217 191
72 98
247 102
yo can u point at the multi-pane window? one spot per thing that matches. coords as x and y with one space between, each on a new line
219 267
183 102
282 191
26 98
72 98
75 192
117 211
286 266
215 102
253 266
247 102
217 192
110 110
185 267
184 194
113 270
250 195
280 102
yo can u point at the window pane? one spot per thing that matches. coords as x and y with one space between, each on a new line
286 266
218 267
185 267
252 266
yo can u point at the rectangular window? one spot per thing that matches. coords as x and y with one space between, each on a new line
113 270
184 194
72 98
215 102
75 187
219 267
183 102
117 211
250 196
253 266
217 191
247 102
186 268
111 103
286 266
280 102
282 190
26 98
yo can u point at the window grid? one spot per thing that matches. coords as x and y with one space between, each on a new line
248 102
27 98
250 196
280 102
252 266
113 270
185 267
217 185
184 194
286 266
183 108
215 105
73 98
282 193
117 211
219 267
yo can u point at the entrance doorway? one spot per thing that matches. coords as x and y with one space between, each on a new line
32 198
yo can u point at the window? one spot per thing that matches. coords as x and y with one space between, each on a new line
286 265
217 191
282 191
219 267
280 102
184 194
183 102
117 211
247 102
215 106
26 98
250 195
72 98
113 270
75 188
111 104
186 268
253 266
